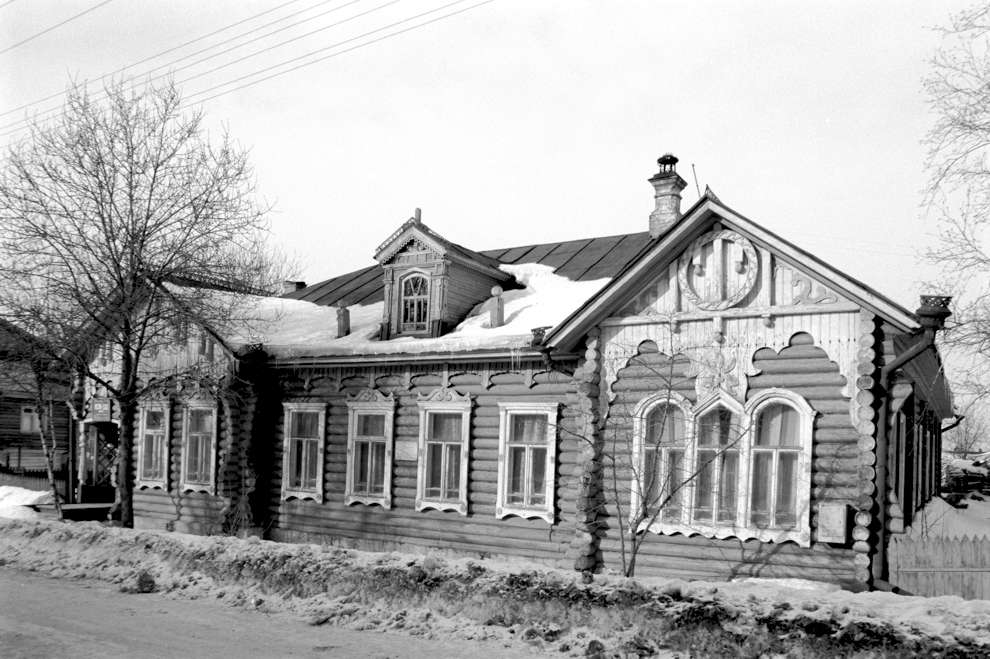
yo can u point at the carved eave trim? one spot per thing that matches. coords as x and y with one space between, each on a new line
742 312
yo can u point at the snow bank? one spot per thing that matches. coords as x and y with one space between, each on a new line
552 610
14 502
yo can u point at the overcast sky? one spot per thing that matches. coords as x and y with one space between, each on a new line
520 121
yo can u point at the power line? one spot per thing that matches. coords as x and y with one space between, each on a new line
21 124
346 50
156 55
57 25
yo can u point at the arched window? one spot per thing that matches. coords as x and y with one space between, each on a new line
717 461
414 305
664 464
776 454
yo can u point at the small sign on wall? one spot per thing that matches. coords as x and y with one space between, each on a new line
406 449
833 522
100 409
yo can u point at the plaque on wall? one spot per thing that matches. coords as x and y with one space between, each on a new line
406 449
833 522
100 409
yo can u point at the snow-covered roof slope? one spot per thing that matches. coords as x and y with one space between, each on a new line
545 300
288 328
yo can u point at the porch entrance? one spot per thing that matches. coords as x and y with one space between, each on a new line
99 464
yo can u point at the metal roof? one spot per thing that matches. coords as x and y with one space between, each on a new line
578 260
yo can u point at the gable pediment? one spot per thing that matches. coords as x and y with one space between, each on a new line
723 270
410 244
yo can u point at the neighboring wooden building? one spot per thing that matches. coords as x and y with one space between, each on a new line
751 410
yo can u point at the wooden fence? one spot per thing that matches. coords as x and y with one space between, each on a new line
941 566
35 480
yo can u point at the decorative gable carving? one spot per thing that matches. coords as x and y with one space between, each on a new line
724 272
443 395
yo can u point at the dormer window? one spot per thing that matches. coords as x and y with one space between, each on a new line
415 304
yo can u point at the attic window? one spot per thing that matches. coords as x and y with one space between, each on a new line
415 304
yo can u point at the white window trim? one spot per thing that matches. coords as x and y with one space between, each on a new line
166 410
640 413
747 415
370 402
33 421
211 486
287 410
443 401
505 412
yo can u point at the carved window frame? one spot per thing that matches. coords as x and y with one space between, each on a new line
140 479
443 401
503 508
747 415
288 491
370 403
209 484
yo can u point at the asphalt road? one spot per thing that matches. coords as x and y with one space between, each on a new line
45 617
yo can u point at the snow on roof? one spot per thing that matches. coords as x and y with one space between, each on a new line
545 301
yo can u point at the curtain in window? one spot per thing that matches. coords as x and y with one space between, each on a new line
152 447
663 461
443 456
527 460
304 445
718 467
773 500
199 446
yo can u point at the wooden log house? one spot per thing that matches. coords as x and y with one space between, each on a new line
706 386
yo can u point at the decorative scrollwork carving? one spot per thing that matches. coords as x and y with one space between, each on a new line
443 395
729 282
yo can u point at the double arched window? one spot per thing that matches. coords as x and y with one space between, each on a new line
724 469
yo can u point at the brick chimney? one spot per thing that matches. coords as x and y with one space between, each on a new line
668 185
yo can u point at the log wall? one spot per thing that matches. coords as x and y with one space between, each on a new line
802 368
478 533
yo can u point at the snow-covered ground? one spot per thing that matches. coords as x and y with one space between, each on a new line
940 520
507 602
15 502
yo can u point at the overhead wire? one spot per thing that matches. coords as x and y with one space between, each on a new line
346 50
26 123
54 27
159 54
55 110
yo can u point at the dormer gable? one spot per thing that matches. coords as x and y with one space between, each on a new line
431 283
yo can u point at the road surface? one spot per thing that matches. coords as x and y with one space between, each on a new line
45 617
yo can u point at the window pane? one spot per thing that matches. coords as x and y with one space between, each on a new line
377 478
151 462
193 458
538 495
445 427
727 486
305 424
529 429
153 419
453 475
516 488
434 469
312 464
651 477
200 421
362 460
705 486
371 425
717 428
760 501
674 492
777 426
786 516
295 464
665 425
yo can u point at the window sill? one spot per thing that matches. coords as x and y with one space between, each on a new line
801 536
368 500
502 512
456 506
302 495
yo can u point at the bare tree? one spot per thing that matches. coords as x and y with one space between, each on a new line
958 191
968 438
105 212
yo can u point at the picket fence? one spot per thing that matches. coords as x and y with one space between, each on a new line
941 566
